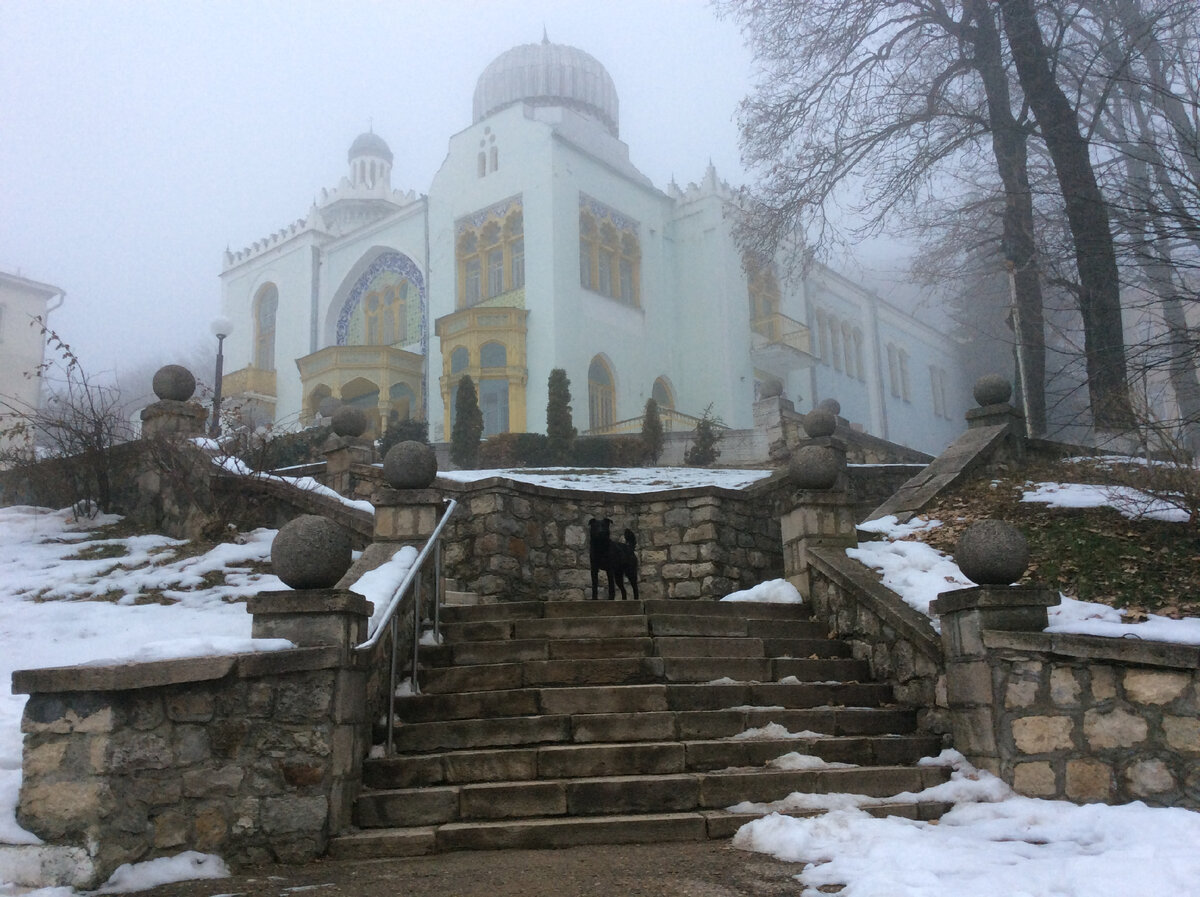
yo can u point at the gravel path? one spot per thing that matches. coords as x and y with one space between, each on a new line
690 869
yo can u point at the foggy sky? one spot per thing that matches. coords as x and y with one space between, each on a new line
139 139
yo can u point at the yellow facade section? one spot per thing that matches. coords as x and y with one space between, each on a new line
464 335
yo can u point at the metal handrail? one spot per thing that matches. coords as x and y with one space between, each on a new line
388 621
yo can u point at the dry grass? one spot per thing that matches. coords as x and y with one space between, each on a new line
1140 565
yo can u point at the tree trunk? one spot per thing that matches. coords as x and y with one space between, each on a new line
1087 217
1009 149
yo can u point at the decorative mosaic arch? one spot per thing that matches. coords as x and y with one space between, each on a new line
395 263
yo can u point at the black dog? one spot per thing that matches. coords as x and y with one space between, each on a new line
617 560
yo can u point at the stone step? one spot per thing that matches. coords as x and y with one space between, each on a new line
628 726
511 610
530 673
572 831
614 791
457 767
700 698
454 598
630 626
520 650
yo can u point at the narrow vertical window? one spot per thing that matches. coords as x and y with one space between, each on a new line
626 277
472 282
585 264
604 287
601 395
495 272
517 263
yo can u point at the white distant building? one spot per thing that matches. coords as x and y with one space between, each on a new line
540 245
22 344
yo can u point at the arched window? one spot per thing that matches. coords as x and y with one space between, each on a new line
266 306
490 255
459 359
662 393
858 354
610 254
402 400
481 165
601 395
493 355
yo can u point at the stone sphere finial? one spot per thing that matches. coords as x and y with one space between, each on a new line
992 389
992 553
815 467
173 382
833 406
820 422
311 552
771 388
349 421
410 465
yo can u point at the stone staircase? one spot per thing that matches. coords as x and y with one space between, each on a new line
548 724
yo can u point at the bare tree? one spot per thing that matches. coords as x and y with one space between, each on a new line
78 422
1086 212
882 99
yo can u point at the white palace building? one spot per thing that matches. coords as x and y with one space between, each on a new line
539 245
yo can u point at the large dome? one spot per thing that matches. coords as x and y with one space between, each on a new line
548 74
369 144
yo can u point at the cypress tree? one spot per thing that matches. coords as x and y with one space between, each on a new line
703 451
560 432
652 432
468 425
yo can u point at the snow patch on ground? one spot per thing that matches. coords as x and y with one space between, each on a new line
773 591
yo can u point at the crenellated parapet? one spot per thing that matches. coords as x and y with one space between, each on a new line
709 185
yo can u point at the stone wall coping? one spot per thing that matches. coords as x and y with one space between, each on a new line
602 496
982 597
158 673
890 607
309 502
1094 647
387 497
309 601
296 660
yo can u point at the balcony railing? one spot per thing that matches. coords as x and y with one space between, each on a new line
672 421
783 330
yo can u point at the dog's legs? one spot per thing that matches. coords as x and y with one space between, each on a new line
595 582
613 580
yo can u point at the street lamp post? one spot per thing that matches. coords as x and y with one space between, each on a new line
221 328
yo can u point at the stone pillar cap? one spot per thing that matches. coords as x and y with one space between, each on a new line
983 597
309 601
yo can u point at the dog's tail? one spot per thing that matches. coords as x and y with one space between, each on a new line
630 538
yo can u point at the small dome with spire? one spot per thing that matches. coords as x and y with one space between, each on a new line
369 144
548 74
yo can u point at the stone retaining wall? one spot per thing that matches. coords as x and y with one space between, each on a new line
1092 719
517 541
255 757
899 642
